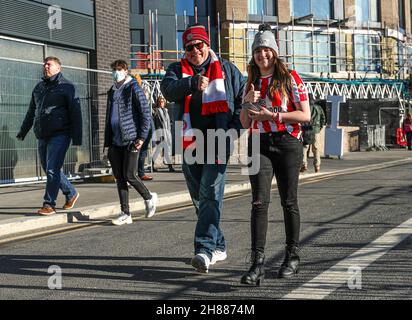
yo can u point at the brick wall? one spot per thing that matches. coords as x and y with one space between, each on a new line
390 14
112 43
112 31
284 11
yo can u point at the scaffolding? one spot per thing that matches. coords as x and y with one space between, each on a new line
336 49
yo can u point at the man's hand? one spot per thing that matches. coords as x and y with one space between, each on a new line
138 144
202 82
252 96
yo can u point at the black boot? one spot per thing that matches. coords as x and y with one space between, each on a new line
256 272
290 265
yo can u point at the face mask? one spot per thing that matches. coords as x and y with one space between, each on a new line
119 76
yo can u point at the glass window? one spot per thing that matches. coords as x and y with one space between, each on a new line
302 51
321 9
17 80
309 54
137 40
256 7
21 50
69 57
321 53
185 5
136 6
138 48
300 8
367 52
366 10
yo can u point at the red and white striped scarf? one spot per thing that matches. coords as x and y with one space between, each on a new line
213 98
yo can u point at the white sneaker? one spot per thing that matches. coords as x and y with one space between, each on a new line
151 205
122 219
218 255
201 263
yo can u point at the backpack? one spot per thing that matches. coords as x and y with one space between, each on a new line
308 135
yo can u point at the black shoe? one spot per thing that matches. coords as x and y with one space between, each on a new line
290 265
171 169
256 273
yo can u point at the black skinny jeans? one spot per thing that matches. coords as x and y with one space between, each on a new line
124 166
280 155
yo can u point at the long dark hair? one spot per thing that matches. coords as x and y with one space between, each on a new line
281 79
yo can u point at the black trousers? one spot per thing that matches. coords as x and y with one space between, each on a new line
124 166
409 139
280 155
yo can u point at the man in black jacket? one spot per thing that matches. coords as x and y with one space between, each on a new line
55 113
208 91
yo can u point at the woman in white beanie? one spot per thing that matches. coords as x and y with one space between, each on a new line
282 98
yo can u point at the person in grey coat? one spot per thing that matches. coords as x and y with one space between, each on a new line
163 126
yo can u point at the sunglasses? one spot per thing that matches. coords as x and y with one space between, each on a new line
199 46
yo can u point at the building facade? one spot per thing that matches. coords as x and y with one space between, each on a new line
156 28
341 39
361 46
86 35
336 38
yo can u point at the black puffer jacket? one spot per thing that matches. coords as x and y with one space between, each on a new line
54 109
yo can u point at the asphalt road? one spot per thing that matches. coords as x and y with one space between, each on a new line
150 259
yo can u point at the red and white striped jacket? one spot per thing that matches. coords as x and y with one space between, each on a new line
280 104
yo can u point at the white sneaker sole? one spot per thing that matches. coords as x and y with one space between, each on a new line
155 200
214 260
117 223
199 265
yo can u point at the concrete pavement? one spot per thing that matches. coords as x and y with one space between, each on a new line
343 219
18 204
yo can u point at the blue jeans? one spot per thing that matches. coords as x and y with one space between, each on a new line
52 152
206 184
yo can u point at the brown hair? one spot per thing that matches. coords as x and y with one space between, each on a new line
281 79
55 59
160 98
119 63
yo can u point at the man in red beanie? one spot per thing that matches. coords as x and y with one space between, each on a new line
208 91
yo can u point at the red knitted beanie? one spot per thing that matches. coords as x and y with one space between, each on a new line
197 32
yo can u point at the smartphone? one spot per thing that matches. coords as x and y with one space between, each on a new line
251 106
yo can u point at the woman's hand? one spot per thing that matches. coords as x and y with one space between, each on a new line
262 115
138 144
252 96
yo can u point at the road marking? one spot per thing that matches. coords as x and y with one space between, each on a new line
330 280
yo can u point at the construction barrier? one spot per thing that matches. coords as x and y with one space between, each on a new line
376 137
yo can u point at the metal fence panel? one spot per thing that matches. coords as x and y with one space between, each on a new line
19 160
